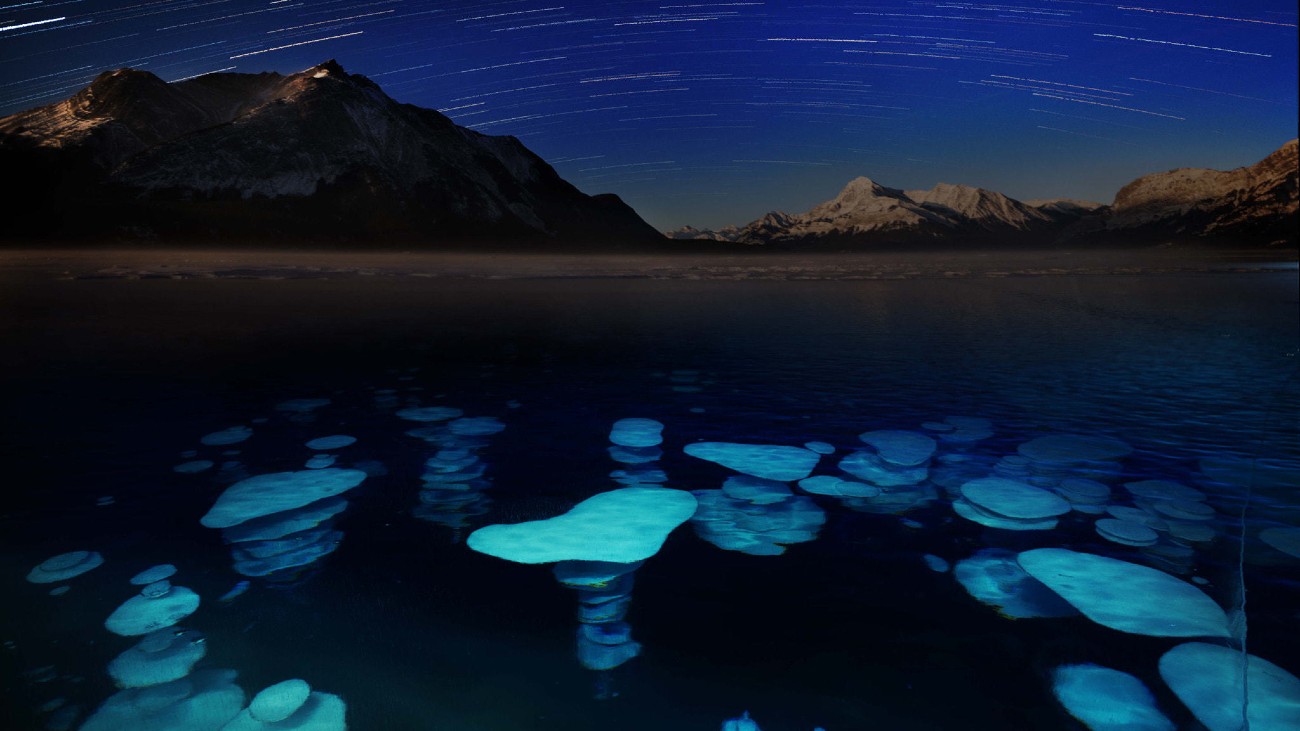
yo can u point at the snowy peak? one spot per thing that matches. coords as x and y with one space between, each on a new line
1253 202
986 208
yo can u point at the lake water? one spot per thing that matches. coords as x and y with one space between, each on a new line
112 376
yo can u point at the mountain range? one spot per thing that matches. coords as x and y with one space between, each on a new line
326 157
318 156
1247 207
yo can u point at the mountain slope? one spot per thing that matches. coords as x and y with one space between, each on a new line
318 155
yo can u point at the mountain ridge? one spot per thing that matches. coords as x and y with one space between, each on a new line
316 155
1254 205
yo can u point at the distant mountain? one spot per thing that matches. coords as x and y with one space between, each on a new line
1253 203
1249 206
316 156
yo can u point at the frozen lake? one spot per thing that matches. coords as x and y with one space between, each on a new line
805 608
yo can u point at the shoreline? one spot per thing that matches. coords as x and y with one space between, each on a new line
82 264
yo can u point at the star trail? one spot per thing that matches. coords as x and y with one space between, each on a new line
715 113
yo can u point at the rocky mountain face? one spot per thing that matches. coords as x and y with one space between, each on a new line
1253 203
1246 207
316 156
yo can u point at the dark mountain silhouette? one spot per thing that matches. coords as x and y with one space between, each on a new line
314 157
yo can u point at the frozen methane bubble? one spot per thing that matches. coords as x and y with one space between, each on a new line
820 447
995 578
1184 509
1208 680
900 448
264 495
997 502
154 573
159 657
866 465
1283 538
936 564
336 441
193 466
637 433
620 526
204 701
1107 700
277 702
476 426
755 490
142 614
743 723
319 461
1126 532
1126 596
837 487
768 461
430 413
282 524
64 566
317 712
233 435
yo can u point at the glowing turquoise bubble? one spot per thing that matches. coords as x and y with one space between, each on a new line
620 526
1107 700
768 461
1126 596
1208 680
268 494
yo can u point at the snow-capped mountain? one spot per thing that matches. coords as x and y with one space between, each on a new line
1257 202
1250 206
316 154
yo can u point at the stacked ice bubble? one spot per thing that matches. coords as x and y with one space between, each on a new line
280 524
635 444
997 502
898 463
596 546
291 704
756 512
452 489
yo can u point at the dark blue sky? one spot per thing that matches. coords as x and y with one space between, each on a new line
714 113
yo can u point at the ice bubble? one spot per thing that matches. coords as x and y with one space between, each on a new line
203 701
1126 596
1163 490
430 413
1184 509
767 461
1015 500
1081 491
1136 515
277 702
1191 532
279 525
995 578
336 441
629 455
594 655
1284 538
637 433
900 448
820 447
837 487
264 495
302 405
156 589
298 556
1067 449
758 530
233 435
60 590
865 465
193 466
621 526
64 566
154 573
235 592
591 574
1208 680
936 564
319 461
967 429
160 657
142 614
476 426
1107 700
755 490
640 475
1126 532
744 723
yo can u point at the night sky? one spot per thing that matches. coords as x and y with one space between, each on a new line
715 113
